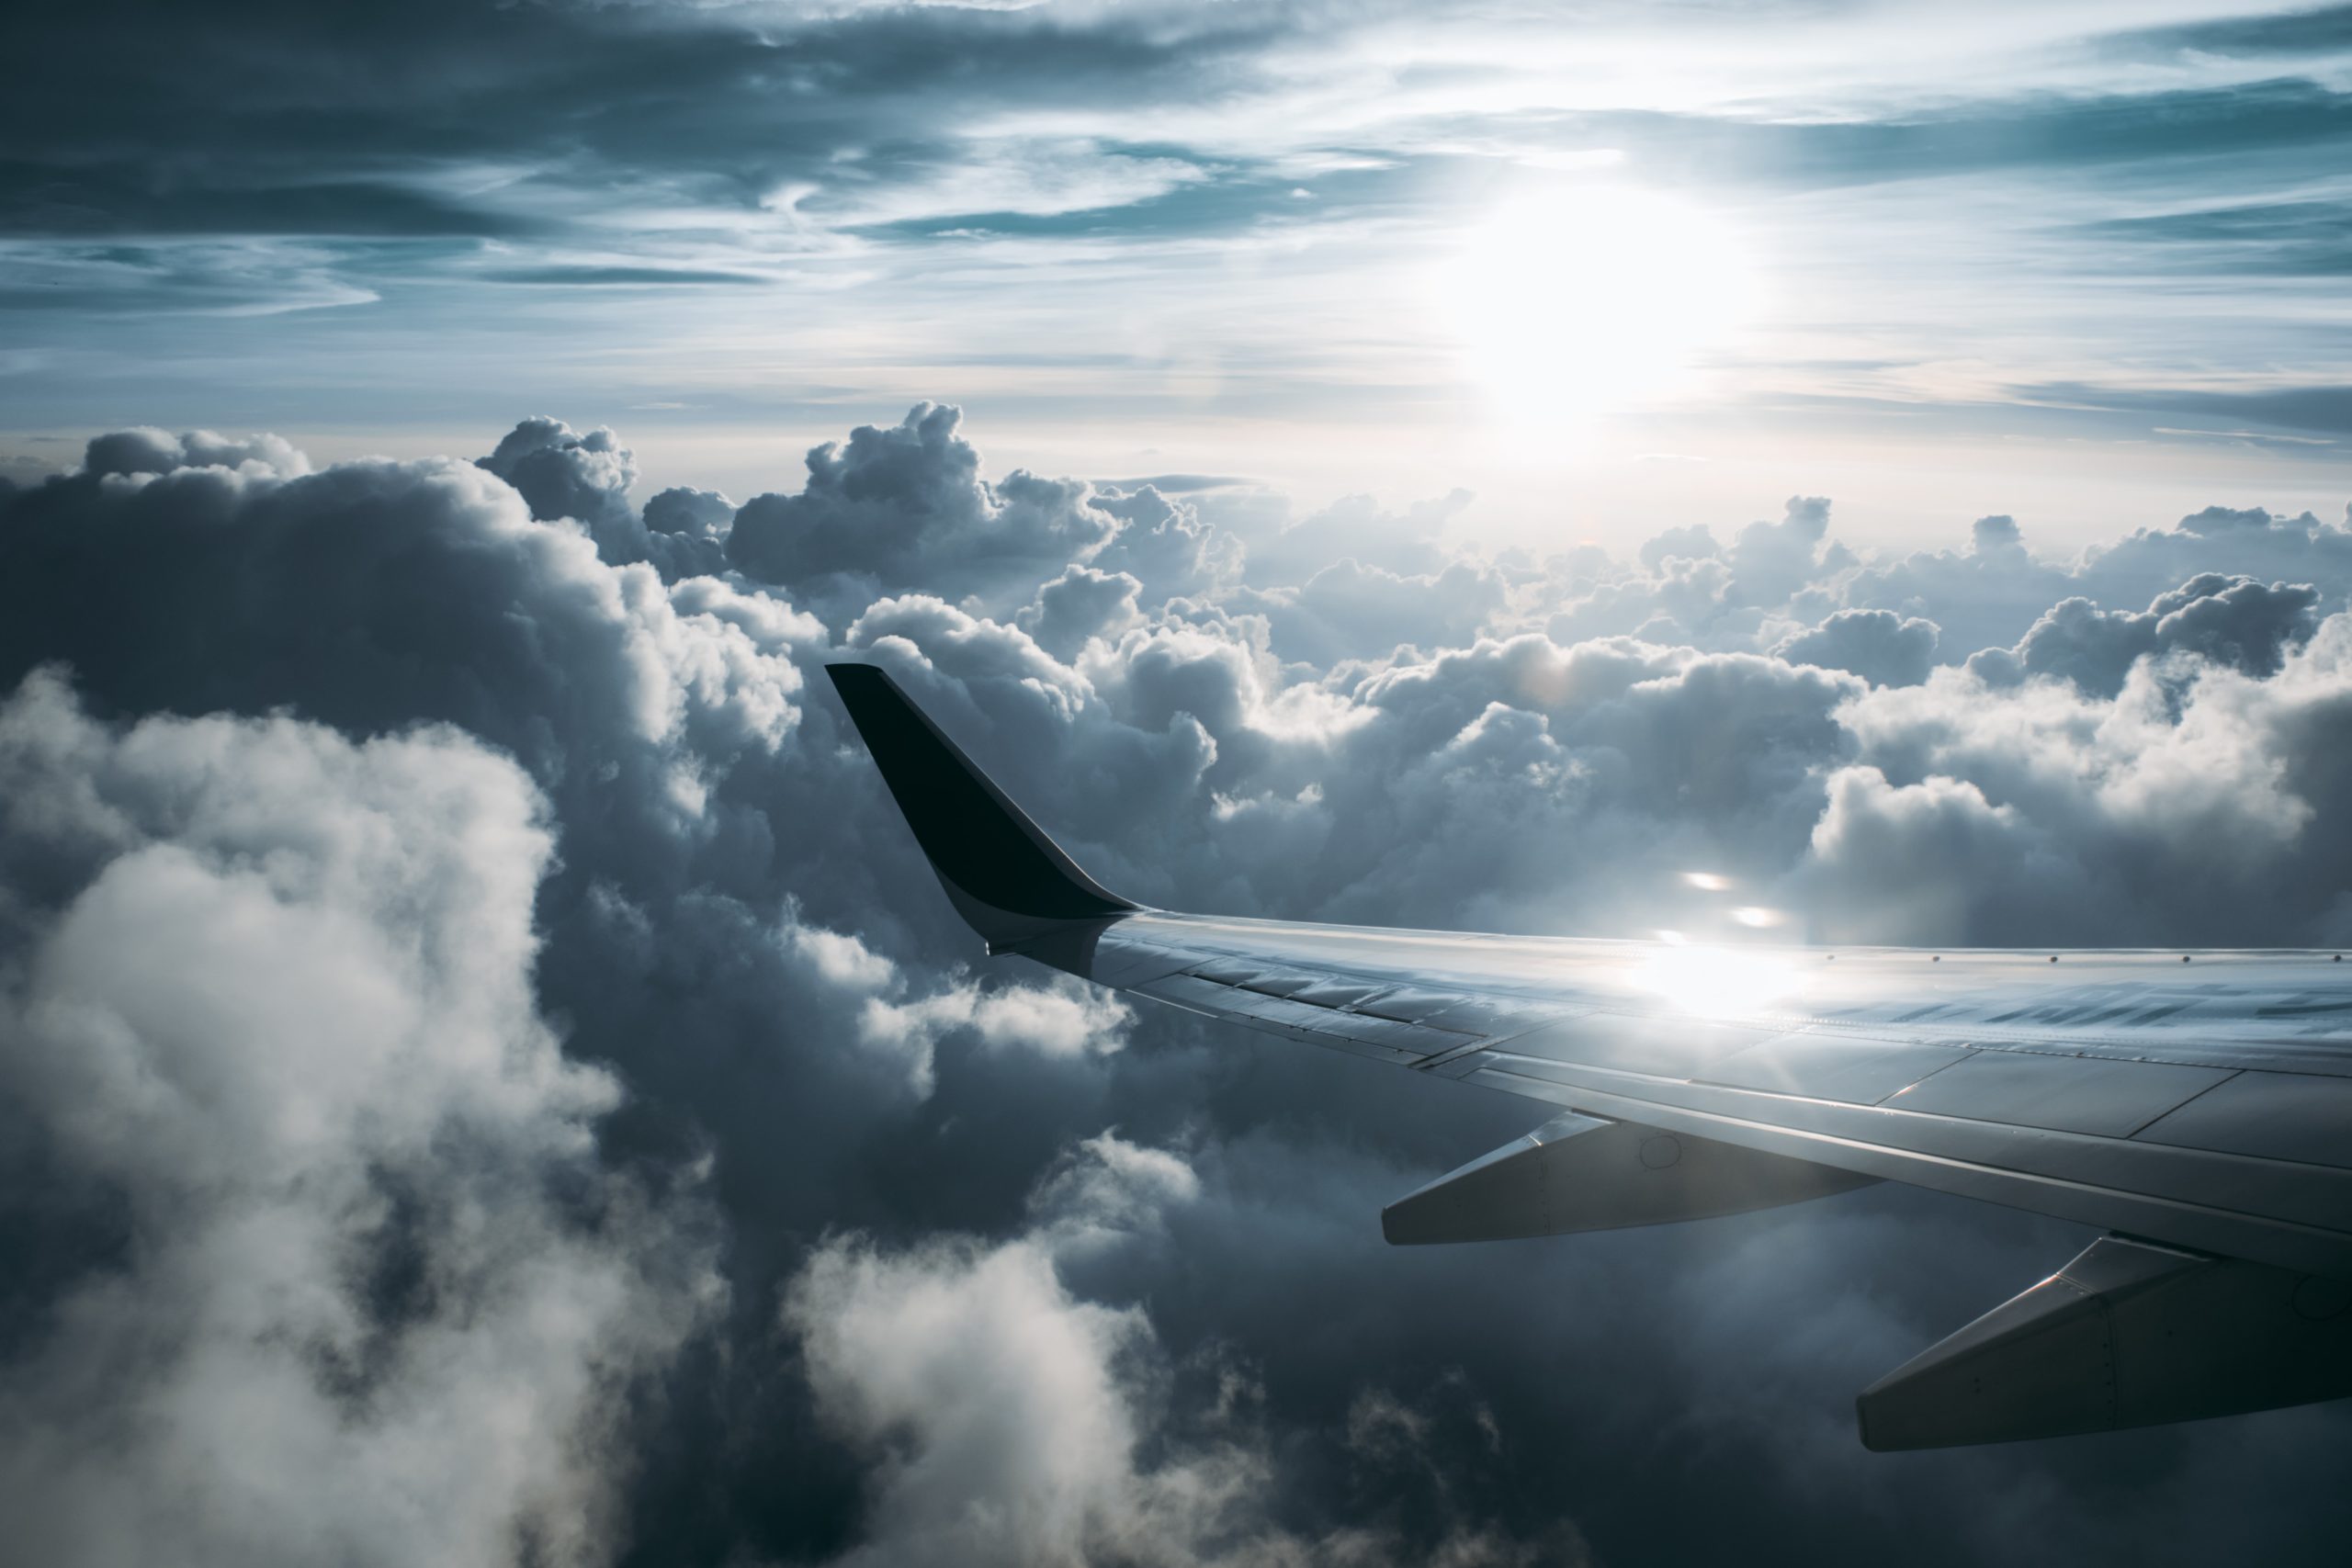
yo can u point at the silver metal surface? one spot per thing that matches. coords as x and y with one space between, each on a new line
1576 1173
2127 1335
2287 1116
2005 1076
2072 1094
1861 1072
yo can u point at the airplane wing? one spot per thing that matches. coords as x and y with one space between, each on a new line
2196 1106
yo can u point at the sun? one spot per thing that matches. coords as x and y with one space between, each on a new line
1578 303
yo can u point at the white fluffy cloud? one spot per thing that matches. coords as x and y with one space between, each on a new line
1014 1422
903 1024
367 1296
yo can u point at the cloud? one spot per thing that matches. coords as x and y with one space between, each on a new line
562 473
358 1285
1079 606
1013 1422
1770 561
892 507
1882 648
2322 28
375 594
1349 609
151 451
2234 621
1132 1261
2184 809
1354 528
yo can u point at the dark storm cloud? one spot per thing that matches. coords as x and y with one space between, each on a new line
891 1258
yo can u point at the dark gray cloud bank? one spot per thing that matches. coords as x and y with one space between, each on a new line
484 1076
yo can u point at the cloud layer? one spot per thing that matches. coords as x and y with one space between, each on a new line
489 1076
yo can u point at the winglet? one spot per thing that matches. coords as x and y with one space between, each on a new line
1008 880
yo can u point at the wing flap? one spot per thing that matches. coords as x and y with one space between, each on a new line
1860 1072
2067 1094
2290 1116
2293 1216
2127 1335
1578 1173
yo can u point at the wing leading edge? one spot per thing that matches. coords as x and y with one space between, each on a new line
2201 1111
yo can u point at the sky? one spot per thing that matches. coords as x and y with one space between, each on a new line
486 1076
1609 267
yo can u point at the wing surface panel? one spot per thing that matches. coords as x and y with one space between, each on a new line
2276 1115
2231 1155
1860 1072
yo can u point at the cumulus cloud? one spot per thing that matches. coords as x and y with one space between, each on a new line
374 593
2187 809
563 474
1079 606
1882 648
1990 595
746 1011
1166 541
150 451
360 1287
2235 622
892 508
1010 1414
1014 1422
1349 609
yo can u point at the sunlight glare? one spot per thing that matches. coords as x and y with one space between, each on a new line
1718 982
1589 299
